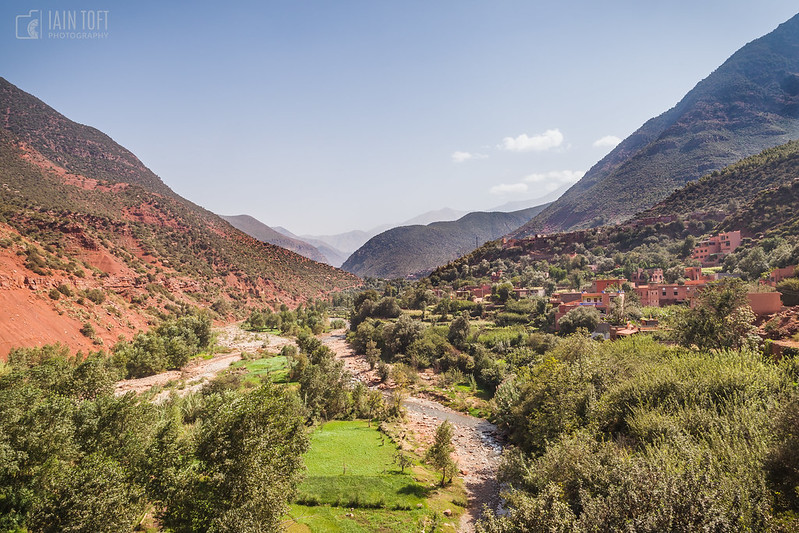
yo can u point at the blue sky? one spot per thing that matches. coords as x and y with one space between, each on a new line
335 115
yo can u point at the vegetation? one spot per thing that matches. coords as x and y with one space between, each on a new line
350 465
721 318
440 453
76 458
634 432
169 346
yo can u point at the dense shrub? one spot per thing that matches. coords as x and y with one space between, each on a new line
168 346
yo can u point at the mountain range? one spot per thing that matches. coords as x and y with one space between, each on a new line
758 196
93 244
257 229
418 249
751 102
338 247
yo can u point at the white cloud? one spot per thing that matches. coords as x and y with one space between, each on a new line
555 176
509 188
537 143
460 157
608 141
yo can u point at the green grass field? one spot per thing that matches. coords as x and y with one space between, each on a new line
275 366
351 465
372 488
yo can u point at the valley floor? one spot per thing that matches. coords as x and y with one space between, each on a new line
477 448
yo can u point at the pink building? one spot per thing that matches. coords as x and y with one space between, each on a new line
600 285
650 275
599 300
765 303
779 274
712 249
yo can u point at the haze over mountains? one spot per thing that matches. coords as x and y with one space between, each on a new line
749 103
335 249
262 232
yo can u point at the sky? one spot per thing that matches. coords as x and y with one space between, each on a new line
333 115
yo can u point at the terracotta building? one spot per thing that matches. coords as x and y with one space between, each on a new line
712 249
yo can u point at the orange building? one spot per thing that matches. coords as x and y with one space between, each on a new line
600 285
599 300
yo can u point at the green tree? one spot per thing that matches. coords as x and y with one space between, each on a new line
581 317
720 319
372 353
402 460
502 292
440 453
459 331
248 462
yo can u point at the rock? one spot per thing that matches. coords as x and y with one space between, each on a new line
447 512
350 515
419 505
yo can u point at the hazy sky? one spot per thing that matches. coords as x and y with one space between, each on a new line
334 115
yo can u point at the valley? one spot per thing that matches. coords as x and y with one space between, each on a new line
477 449
621 354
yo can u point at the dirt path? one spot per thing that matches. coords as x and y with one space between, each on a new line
477 449
231 339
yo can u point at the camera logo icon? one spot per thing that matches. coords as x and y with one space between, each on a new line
29 26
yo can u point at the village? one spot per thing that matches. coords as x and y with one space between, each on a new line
649 286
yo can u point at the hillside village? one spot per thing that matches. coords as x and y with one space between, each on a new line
647 287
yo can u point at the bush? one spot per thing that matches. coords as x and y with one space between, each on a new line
581 317
87 330
65 290
95 295
54 294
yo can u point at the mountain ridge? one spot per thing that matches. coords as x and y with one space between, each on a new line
257 229
749 103
98 254
414 250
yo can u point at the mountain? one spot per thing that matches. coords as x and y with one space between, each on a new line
93 244
257 229
758 195
439 215
410 250
735 186
751 102
345 243
337 248
516 205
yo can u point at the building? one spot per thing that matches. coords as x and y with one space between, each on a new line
779 274
473 292
600 285
676 293
649 295
710 251
649 275
765 303
528 292
599 300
